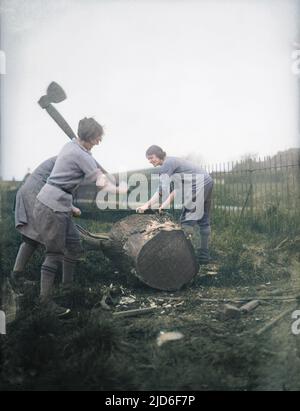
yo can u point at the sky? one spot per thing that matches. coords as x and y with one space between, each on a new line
207 78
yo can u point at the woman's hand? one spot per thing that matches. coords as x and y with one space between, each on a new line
123 188
76 211
101 181
142 209
161 209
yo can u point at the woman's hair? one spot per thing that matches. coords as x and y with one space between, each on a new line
89 129
157 151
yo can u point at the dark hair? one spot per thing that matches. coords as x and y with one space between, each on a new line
89 129
157 151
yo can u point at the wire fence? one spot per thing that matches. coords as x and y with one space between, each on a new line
264 192
261 192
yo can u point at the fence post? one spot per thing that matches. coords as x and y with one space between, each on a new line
251 191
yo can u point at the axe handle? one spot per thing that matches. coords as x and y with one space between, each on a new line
101 168
61 122
58 118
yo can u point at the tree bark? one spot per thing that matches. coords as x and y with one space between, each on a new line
154 249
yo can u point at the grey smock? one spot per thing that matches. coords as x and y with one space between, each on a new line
53 206
26 197
173 166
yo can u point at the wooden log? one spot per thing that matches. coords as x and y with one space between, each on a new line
134 313
228 312
271 324
252 305
154 249
246 299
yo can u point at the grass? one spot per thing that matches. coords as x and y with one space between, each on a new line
95 351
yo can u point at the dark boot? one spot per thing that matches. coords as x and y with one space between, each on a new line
203 256
69 265
59 311
18 282
203 251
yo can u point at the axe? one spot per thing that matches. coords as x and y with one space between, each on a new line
55 94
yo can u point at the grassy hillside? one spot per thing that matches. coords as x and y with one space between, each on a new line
96 351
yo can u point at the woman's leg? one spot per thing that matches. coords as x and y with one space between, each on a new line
205 228
26 250
72 255
48 272
52 228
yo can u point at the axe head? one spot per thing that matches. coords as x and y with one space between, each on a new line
55 94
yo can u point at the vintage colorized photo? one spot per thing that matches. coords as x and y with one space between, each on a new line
150 197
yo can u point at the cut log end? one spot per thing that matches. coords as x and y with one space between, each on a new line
167 262
154 249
